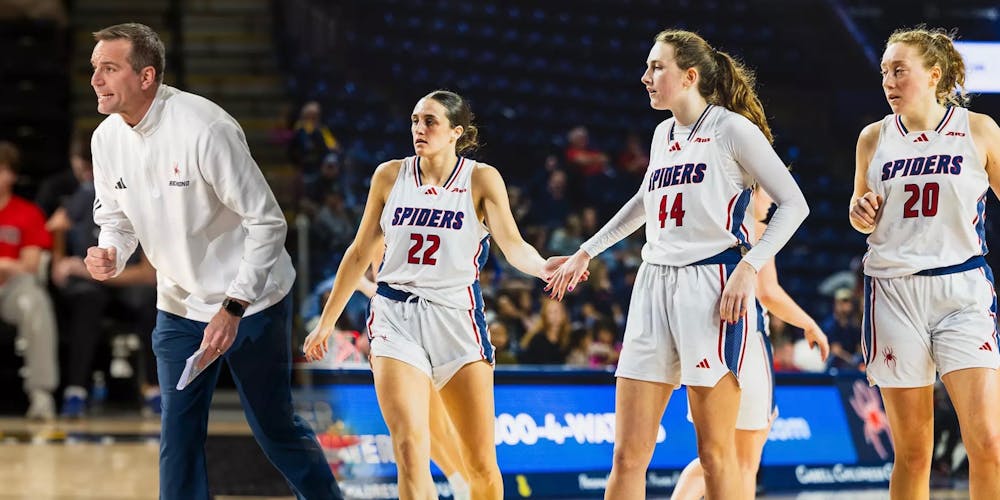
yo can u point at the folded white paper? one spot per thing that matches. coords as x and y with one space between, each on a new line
193 367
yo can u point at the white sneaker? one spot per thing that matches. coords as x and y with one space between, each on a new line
42 407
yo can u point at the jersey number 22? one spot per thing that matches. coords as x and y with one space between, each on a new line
433 244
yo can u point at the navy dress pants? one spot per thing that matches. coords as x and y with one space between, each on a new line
260 362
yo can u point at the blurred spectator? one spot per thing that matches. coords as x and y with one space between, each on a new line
844 332
538 183
501 343
85 302
487 282
567 239
331 178
513 317
281 133
848 278
331 231
606 347
633 160
311 139
547 341
588 315
520 205
334 226
589 223
23 301
784 354
552 209
53 10
580 157
592 177
580 341
55 189
597 296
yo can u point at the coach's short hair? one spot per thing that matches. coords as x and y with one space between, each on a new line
147 48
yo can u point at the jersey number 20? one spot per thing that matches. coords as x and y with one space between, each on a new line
928 208
433 243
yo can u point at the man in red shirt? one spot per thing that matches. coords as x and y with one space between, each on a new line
23 301
587 161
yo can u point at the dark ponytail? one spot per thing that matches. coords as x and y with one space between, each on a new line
459 114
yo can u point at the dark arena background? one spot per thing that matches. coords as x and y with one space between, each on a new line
324 89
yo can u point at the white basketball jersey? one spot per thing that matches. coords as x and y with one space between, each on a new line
435 244
697 198
934 189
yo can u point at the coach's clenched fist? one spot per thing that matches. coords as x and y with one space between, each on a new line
101 262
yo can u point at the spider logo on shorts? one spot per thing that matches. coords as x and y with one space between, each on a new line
890 358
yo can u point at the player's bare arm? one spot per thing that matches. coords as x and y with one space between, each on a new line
986 135
493 207
864 203
359 254
773 296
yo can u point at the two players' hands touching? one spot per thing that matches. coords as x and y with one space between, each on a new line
568 270
864 212
562 273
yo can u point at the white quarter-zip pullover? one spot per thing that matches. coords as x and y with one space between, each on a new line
182 183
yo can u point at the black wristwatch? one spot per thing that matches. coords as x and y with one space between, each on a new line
234 307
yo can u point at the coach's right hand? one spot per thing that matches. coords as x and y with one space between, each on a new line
864 212
101 262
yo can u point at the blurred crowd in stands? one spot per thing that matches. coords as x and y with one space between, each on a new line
562 204
567 199
47 295
101 330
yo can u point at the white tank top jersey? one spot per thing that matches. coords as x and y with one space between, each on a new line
697 197
933 187
435 244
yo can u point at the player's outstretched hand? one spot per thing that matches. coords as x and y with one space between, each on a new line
552 264
572 271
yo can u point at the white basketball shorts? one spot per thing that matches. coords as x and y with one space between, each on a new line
674 334
757 406
438 340
917 326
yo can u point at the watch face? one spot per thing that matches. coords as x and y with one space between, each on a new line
233 307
